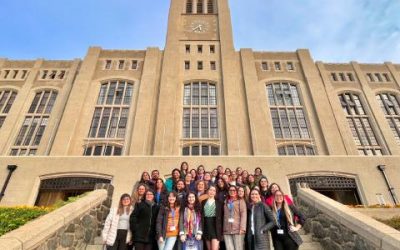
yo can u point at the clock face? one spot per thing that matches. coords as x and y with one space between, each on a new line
199 26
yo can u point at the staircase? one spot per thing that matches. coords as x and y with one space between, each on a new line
98 244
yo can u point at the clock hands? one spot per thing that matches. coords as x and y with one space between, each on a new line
198 28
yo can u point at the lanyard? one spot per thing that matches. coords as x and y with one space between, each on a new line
278 215
173 216
230 207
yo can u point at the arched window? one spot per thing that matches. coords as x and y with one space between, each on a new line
102 150
210 6
110 116
360 125
200 149
200 119
296 150
391 108
34 124
200 9
288 116
189 6
7 98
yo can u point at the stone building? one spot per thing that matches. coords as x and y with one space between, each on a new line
115 113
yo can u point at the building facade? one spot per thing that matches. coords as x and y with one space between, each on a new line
69 124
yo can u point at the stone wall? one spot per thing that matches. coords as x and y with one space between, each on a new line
339 227
69 227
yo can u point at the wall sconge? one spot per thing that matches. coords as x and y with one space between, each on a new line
382 168
11 169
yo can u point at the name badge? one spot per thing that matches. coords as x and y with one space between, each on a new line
231 220
172 228
280 231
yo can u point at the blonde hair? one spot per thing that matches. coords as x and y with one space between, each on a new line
286 209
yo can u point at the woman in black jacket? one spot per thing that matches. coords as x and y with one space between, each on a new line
259 223
212 219
143 223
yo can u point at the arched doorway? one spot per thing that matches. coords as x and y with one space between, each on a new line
339 188
61 188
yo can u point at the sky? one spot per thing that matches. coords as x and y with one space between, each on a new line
367 31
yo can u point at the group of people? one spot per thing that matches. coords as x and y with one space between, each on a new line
195 210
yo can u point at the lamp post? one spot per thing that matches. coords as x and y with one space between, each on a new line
382 168
11 169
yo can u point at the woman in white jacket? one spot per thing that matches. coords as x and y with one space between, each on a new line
116 233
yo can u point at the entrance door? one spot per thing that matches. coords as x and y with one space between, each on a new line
53 190
340 189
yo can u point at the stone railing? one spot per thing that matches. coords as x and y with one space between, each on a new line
69 227
339 227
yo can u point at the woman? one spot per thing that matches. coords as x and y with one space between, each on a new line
200 172
207 178
222 190
239 171
170 183
242 193
245 176
181 192
190 224
138 195
184 169
212 219
214 175
160 192
143 223
289 221
258 175
232 179
235 219
193 172
263 185
167 229
116 233
228 172
189 183
271 192
251 181
260 222
201 187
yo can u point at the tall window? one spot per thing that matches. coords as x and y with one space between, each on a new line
111 112
103 150
296 150
7 98
200 149
210 6
200 7
189 6
360 125
200 115
288 115
391 108
34 124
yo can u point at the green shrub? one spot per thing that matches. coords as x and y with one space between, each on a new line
393 222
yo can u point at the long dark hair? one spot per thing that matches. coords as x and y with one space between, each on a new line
176 204
141 177
269 190
163 189
197 206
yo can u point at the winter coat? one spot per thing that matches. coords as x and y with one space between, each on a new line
183 230
109 233
219 216
264 221
143 222
162 222
239 215
300 219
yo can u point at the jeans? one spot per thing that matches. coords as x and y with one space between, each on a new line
234 241
167 244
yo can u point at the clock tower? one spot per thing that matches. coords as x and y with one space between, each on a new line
199 50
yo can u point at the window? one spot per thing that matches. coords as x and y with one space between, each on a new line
213 65
378 76
200 49
200 65
210 6
287 112
360 125
296 150
370 77
187 48
212 49
277 66
391 108
290 66
121 64
187 65
6 73
108 64
35 123
7 98
264 65
102 150
200 150
350 76
342 77
200 7
15 73
386 77
111 111
134 64
189 6
61 75
44 74
200 115
334 77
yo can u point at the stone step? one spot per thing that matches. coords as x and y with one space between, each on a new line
306 238
94 247
310 246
